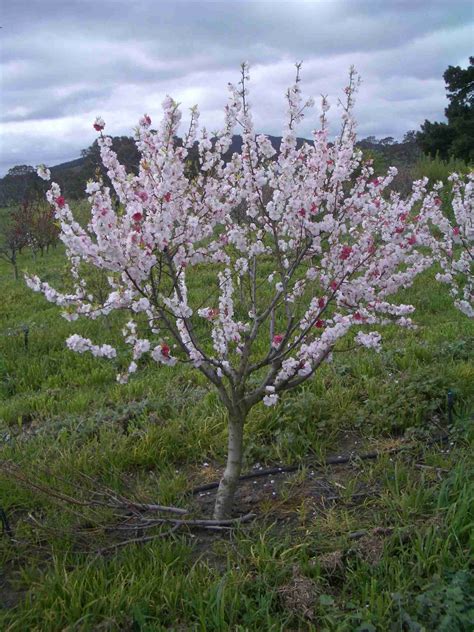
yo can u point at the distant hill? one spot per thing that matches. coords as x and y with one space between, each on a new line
71 165
73 175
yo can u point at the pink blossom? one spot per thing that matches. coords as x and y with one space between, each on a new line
99 124
143 195
277 340
145 121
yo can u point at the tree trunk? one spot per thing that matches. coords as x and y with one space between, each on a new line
230 479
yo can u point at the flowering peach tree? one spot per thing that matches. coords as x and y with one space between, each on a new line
453 244
316 254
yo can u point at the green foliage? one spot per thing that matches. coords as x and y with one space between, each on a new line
447 604
19 183
387 152
456 137
437 169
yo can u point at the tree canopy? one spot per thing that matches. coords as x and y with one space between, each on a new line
456 137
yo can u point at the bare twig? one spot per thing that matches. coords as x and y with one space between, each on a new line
141 540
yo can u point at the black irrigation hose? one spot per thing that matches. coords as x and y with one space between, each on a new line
331 460
6 529
24 329
451 407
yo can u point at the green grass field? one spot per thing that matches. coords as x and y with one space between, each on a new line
300 565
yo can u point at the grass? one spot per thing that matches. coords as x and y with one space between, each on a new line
296 567
437 169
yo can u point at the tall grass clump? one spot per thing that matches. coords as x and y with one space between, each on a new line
437 169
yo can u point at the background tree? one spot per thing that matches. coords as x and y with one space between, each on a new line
456 137
15 234
453 243
20 183
43 227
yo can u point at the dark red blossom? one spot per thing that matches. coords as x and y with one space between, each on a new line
345 253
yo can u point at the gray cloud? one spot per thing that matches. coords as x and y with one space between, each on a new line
64 62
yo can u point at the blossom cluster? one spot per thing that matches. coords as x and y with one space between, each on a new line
319 248
454 246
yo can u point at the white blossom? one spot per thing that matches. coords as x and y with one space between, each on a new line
297 248
43 172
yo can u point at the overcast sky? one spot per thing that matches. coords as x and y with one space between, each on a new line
63 62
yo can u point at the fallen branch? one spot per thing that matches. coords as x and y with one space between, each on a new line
148 524
422 466
142 540
352 496
116 500
385 531
124 508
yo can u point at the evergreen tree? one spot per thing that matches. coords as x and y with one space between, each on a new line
456 137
